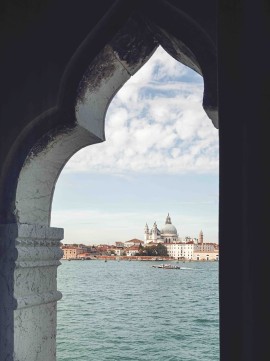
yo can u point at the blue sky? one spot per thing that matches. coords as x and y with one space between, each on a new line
160 156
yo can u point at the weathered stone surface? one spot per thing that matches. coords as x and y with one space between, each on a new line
40 172
35 333
30 256
97 88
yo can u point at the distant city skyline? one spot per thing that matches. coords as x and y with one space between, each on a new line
160 156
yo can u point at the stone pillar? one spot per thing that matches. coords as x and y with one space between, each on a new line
244 113
30 257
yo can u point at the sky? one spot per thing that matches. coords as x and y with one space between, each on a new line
160 156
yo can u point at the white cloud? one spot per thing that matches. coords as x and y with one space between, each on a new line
155 123
164 66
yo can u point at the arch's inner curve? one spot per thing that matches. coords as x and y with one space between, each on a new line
37 245
119 60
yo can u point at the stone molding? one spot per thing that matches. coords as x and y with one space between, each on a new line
31 232
39 248
30 255
38 299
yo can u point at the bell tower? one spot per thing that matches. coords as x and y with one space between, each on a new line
154 233
146 233
200 237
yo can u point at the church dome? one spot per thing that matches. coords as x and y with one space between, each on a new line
169 228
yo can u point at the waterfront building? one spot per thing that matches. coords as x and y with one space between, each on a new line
119 244
206 251
206 247
168 233
181 250
86 255
134 242
104 249
72 252
191 251
206 256
178 248
132 251
118 251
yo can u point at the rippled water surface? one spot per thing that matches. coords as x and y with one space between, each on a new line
129 311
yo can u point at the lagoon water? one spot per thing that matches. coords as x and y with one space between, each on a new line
130 311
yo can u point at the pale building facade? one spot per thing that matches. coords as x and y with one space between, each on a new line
180 250
71 252
132 251
206 247
206 256
118 251
186 251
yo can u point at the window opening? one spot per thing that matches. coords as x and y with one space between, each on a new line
161 155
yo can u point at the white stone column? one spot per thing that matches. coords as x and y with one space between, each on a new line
31 259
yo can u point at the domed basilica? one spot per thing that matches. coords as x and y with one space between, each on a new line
168 234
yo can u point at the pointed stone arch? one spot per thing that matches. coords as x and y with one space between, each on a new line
126 53
77 120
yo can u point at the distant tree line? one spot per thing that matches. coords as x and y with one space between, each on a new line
155 250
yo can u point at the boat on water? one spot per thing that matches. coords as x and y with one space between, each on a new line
167 266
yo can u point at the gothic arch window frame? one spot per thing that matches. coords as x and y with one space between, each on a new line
77 120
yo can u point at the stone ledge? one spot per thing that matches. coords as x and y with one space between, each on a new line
38 253
28 234
39 263
37 300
